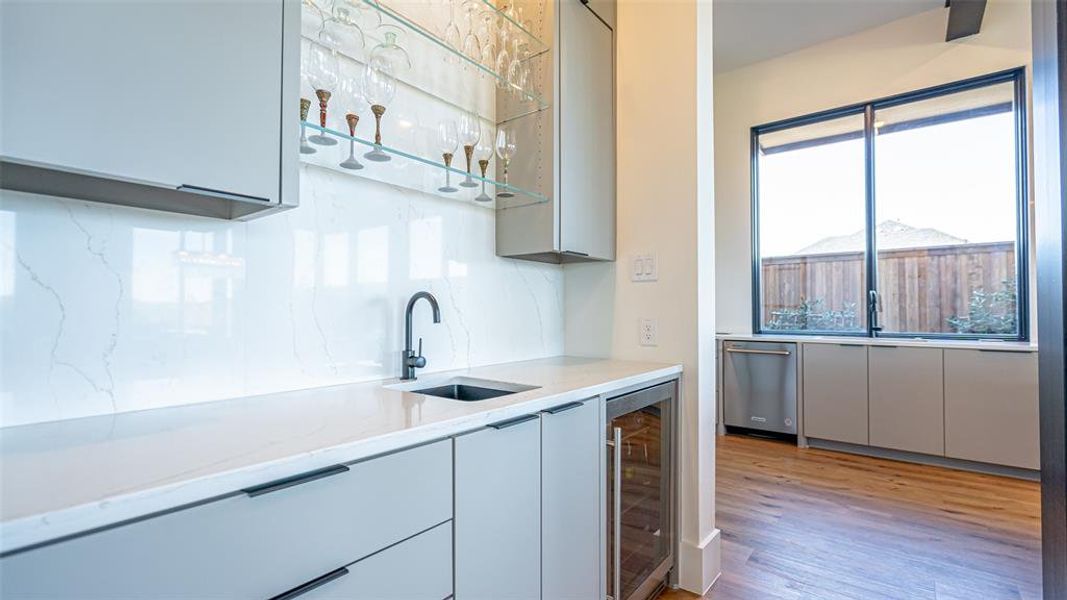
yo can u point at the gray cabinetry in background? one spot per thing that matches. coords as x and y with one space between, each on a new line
906 399
991 407
835 392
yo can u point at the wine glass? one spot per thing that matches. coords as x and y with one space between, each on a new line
305 147
451 35
447 142
470 131
351 163
472 46
505 151
322 67
379 88
484 152
391 54
487 34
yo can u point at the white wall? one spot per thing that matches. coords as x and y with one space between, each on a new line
901 56
106 308
665 207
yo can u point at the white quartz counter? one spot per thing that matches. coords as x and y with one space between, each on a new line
71 476
868 341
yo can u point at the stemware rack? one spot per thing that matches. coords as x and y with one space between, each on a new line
415 172
448 88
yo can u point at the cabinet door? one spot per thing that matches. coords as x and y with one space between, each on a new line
247 545
991 407
570 502
586 133
907 405
169 93
419 568
835 392
498 512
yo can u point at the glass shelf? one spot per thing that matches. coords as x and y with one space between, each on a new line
413 172
536 46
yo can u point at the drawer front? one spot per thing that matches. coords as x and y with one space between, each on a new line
416 569
247 546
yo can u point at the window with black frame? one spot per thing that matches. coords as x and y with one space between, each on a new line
899 217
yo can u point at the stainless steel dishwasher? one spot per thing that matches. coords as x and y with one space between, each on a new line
760 386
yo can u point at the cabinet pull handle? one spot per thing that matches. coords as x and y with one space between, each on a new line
288 482
563 408
514 422
195 189
750 351
1002 350
851 345
575 252
616 500
314 583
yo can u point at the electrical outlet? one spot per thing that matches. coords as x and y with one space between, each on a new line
646 334
643 267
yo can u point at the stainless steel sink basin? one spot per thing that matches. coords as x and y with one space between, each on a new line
465 389
458 391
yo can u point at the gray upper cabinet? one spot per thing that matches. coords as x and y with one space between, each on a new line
991 407
188 107
570 502
906 399
498 512
835 392
575 164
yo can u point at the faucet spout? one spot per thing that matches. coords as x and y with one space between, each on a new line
411 361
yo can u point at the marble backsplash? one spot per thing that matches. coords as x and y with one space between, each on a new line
107 309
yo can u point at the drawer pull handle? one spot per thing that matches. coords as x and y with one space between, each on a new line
289 482
314 583
514 422
563 408
750 351
195 189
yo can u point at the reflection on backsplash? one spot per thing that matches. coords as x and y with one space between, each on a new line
107 309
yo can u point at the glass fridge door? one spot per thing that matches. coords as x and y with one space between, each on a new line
640 512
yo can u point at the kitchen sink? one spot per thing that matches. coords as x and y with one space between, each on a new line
465 389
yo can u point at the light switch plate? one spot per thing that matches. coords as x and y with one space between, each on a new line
646 333
643 267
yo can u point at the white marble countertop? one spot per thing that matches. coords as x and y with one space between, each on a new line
67 477
868 341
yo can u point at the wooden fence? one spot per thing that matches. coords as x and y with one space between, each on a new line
921 287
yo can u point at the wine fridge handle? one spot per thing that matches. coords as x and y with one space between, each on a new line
616 500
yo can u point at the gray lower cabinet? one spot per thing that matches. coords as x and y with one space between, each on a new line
835 392
419 568
906 399
498 511
253 544
570 502
991 407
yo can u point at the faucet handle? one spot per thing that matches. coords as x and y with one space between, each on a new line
418 361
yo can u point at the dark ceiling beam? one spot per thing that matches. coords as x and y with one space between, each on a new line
964 18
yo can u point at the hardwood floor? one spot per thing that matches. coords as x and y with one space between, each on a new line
813 524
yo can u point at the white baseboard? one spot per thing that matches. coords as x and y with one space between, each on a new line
700 564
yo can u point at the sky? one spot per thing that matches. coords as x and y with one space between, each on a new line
957 177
